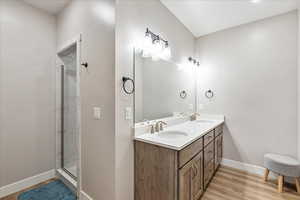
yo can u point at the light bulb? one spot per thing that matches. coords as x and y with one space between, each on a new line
147 45
157 47
147 40
166 54
156 50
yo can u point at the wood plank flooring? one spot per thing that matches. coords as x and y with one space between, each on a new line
15 195
232 184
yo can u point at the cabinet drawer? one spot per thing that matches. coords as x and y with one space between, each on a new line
208 153
219 130
208 137
190 151
208 173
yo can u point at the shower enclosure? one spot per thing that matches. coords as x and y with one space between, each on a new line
68 112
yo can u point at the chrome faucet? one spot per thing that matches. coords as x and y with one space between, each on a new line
159 126
152 130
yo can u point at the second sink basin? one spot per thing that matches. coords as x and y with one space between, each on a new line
205 121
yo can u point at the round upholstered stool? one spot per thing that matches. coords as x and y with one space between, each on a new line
283 166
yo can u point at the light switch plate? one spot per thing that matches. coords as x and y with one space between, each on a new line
97 113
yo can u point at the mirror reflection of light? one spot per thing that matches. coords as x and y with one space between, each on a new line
186 67
105 12
166 54
136 40
204 73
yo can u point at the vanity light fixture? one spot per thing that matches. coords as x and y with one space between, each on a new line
147 46
155 46
194 61
255 1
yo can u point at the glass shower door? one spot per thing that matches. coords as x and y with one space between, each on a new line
69 111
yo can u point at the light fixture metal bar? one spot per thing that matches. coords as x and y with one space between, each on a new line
156 37
194 61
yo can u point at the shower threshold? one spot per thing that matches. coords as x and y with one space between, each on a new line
67 177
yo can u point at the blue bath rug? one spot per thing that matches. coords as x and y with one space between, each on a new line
55 190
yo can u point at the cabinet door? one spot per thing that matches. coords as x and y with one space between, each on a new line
185 182
197 178
208 173
218 150
191 179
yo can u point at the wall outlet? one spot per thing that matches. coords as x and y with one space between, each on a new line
97 113
128 113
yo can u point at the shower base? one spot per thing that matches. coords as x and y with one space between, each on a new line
72 170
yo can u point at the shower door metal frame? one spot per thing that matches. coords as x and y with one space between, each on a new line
76 41
62 124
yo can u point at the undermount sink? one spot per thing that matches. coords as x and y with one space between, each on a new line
204 121
172 134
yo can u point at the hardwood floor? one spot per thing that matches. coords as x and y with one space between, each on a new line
232 184
15 195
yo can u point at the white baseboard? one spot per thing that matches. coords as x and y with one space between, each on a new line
84 196
26 183
253 169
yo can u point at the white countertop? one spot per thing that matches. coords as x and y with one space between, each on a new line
181 135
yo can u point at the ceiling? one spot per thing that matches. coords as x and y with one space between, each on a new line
203 17
51 6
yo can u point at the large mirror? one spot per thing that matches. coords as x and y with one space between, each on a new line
163 89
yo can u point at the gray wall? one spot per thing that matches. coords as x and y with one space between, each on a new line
95 20
27 103
253 71
133 17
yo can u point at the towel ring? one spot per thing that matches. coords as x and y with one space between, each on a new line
183 94
125 79
209 94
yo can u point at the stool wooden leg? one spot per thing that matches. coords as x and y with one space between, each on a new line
267 171
280 183
297 184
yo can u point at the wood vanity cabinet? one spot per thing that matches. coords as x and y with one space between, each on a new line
218 150
191 179
209 167
166 174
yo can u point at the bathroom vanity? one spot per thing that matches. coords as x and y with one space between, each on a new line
176 163
174 167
